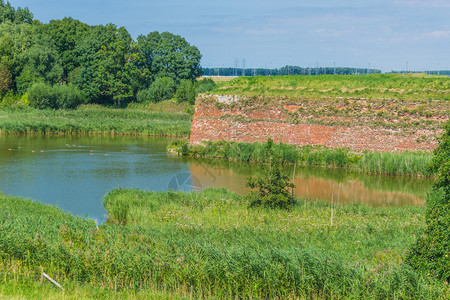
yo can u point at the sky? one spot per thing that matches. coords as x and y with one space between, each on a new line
383 34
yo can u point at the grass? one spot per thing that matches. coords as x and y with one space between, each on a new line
95 120
392 163
213 244
376 86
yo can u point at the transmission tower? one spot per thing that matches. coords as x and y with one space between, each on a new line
243 67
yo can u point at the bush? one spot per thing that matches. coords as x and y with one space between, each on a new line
205 85
273 186
431 253
162 89
42 96
68 96
186 92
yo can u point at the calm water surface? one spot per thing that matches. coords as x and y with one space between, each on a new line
75 172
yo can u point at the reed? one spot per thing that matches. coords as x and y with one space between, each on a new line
213 244
413 163
95 120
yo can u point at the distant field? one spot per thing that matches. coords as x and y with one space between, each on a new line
373 86
220 79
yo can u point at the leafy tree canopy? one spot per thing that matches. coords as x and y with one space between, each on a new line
102 61
168 55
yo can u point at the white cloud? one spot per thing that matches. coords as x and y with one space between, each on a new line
440 34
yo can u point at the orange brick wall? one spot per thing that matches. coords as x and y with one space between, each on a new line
213 123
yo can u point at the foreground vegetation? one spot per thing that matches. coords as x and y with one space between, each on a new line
392 163
212 244
431 253
136 120
374 86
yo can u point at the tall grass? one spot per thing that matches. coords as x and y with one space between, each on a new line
213 244
392 163
95 120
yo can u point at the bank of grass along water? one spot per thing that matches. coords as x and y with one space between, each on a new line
94 119
412 163
212 244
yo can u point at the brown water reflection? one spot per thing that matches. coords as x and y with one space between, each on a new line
339 185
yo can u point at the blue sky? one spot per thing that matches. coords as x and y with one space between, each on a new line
384 34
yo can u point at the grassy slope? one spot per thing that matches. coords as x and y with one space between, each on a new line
374 86
212 243
137 120
404 103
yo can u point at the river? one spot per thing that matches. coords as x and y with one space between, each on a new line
75 172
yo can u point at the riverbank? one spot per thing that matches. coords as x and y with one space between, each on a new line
212 244
412 163
94 119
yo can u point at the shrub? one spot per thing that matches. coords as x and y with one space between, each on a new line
42 96
68 96
431 253
205 85
186 92
273 186
162 89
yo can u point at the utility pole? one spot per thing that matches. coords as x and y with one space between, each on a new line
334 65
243 67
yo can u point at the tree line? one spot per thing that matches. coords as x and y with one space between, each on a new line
100 63
288 70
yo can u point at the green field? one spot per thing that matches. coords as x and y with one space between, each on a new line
91 119
374 86
211 244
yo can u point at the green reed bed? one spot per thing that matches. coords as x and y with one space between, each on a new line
95 120
392 163
212 244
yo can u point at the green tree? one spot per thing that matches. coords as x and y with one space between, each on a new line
168 55
274 189
19 15
431 253
107 72
64 35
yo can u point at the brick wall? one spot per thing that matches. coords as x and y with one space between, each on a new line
227 118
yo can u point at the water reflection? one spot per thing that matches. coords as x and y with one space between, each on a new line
75 172
320 184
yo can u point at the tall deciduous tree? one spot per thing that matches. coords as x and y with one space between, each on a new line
64 35
168 55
